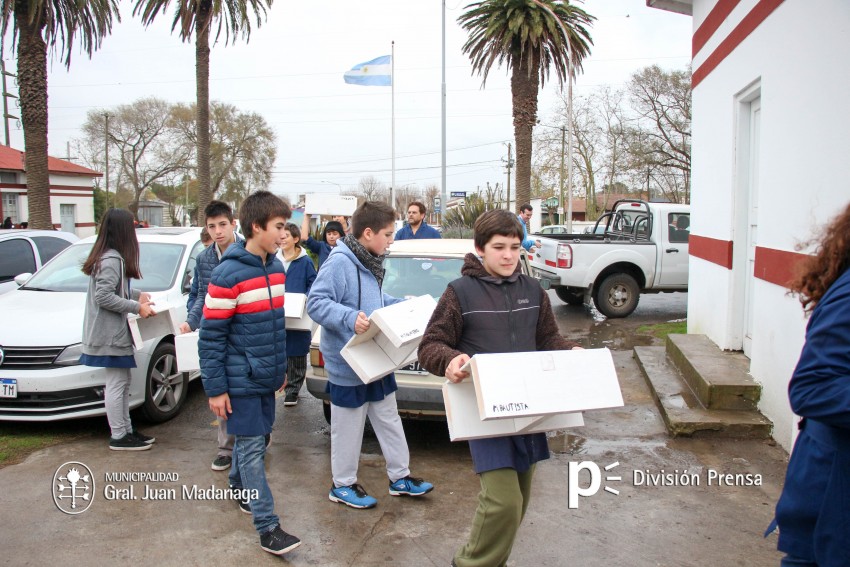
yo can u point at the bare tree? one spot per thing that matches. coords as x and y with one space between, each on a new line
432 191
406 195
372 189
149 147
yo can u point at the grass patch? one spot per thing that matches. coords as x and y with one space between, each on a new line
18 441
661 330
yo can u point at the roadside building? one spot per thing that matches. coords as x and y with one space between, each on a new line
769 153
71 192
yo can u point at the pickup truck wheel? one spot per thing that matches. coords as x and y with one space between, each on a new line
569 296
617 296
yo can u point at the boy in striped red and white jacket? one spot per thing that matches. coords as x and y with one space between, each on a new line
242 348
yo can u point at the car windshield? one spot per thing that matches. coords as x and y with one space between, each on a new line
159 263
415 276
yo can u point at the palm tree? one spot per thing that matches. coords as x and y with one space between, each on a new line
234 17
36 26
529 36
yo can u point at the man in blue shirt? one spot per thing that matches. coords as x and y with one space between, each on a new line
523 217
416 227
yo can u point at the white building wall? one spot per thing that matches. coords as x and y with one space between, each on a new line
84 203
804 145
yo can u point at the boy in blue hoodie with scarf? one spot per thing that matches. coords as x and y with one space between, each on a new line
346 291
242 349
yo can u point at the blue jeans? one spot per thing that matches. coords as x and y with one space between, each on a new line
791 561
248 471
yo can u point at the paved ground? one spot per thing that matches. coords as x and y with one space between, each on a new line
642 525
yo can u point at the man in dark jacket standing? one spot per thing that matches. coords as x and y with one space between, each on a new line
416 227
493 308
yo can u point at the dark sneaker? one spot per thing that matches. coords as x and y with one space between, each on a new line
410 486
222 463
128 443
147 439
278 542
354 496
290 400
244 504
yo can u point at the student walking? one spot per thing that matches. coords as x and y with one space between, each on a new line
107 343
300 274
242 349
344 294
812 511
493 308
220 226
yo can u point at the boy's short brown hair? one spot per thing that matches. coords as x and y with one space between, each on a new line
371 214
496 222
259 208
217 209
205 236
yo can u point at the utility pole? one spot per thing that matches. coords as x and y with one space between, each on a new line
106 150
6 95
509 164
561 200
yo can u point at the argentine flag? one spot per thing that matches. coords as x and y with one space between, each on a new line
375 73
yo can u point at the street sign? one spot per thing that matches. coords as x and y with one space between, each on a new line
436 204
461 194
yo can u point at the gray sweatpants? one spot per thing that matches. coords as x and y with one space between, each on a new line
347 426
118 401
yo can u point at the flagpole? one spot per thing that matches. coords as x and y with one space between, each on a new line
392 83
445 199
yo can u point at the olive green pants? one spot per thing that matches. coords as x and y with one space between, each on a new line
502 503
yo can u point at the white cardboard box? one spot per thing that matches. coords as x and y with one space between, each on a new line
392 339
333 205
295 307
186 346
464 422
161 324
524 384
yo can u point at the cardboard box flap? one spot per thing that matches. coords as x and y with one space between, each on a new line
162 324
405 322
294 305
542 383
333 205
186 346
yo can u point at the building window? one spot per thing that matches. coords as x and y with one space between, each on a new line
8 177
10 206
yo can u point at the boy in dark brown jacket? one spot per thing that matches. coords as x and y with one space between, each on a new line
493 308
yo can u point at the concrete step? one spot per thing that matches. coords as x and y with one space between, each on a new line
682 411
721 380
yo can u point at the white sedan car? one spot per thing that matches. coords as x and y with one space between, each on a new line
41 378
25 251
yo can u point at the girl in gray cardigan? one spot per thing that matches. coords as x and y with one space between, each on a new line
107 343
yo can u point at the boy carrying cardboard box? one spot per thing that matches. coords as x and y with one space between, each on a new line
493 308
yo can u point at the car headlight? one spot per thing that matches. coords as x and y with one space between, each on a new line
70 356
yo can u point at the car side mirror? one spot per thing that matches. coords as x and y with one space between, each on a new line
187 282
21 279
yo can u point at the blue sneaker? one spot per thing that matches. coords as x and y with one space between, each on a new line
410 486
354 496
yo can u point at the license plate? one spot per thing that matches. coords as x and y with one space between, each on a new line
8 388
413 368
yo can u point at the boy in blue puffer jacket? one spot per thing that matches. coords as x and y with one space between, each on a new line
346 291
242 348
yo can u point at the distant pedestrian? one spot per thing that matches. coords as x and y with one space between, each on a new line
300 275
814 508
416 227
8 223
24 225
523 217
107 343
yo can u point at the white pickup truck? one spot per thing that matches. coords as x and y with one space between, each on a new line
642 249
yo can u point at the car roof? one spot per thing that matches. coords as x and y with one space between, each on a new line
13 232
433 246
183 235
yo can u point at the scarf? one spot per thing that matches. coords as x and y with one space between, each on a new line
374 264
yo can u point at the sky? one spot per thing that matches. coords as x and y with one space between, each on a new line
331 134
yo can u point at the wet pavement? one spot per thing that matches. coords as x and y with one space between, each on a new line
673 504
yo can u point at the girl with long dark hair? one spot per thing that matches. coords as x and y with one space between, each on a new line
107 343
